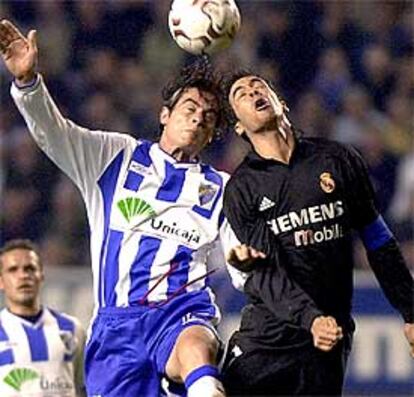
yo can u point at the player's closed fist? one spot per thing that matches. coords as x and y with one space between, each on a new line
326 333
244 257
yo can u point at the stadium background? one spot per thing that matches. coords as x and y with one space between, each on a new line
346 69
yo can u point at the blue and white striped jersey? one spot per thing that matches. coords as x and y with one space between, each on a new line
154 221
43 358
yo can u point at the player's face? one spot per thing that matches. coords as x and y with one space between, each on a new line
255 104
21 277
190 125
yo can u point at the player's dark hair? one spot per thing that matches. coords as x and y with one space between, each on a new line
199 74
24 244
226 83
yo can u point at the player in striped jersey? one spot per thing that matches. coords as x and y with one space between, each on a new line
155 216
41 350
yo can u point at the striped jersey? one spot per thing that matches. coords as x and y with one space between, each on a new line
40 359
154 221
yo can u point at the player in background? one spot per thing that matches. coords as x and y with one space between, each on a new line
155 214
41 351
297 200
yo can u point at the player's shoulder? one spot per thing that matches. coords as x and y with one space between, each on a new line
243 176
321 144
329 147
127 139
65 319
247 167
207 168
3 316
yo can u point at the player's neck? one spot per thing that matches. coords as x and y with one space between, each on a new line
24 310
179 154
274 145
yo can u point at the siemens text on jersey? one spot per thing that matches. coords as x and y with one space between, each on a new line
307 216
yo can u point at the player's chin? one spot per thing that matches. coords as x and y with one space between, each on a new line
194 141
27 296
265 118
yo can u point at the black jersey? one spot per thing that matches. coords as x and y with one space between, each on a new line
302 215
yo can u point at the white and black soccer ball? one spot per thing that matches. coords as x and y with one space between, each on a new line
203 26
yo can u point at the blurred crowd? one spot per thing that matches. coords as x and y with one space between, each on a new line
345 68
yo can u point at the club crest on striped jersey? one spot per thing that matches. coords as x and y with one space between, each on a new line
206 193
18 376
68 340
132 207
327 182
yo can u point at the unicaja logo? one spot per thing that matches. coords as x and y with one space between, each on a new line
16 377
190 236
133 206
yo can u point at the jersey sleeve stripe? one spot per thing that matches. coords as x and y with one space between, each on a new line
376 234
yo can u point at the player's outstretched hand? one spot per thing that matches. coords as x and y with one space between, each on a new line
409 334
326 333
18 52
244 257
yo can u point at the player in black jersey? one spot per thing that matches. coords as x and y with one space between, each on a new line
297 200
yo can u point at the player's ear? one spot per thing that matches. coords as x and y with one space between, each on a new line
164 115
240 130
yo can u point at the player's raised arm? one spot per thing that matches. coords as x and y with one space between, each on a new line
18 52
68 145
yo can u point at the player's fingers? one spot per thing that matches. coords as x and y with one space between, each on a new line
32 39
333 331
254 253
11 31
4 41
245 252
340 333
238 254
323 342
333 328
327 338
4 34
324 348
242 252
323 345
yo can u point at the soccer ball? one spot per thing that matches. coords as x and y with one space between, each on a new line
203 26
